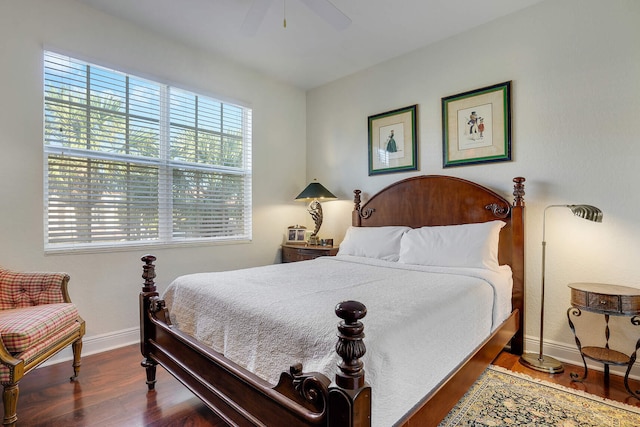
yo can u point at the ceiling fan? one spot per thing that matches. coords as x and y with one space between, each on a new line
323 8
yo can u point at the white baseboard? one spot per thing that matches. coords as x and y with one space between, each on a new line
570 354
98 344
560 351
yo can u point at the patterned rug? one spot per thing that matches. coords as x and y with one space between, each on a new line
504 398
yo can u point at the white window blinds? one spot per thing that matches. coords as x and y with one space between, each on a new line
130 161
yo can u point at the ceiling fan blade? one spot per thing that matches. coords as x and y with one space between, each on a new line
254 17
327 11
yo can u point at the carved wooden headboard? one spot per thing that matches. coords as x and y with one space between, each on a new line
431 200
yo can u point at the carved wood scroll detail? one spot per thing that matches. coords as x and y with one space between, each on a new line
356 202
156 304
498 211
310 387
518 194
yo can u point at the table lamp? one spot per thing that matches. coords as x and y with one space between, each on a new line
312 193
539 361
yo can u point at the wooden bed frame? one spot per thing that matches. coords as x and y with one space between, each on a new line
311 399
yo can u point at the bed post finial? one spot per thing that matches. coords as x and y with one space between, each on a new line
518 191
148 273
350 346
355 217
356 200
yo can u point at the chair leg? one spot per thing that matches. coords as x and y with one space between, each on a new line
10 402
77 350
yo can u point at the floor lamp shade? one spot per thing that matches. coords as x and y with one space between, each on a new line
539 361
312 193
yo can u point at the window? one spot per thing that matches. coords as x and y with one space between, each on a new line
130 161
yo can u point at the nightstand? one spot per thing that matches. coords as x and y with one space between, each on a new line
293 253
609 300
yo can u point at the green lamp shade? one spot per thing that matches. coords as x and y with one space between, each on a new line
315 190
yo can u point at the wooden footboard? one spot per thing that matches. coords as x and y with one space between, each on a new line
240 397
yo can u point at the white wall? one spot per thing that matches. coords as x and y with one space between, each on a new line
105 285
575 68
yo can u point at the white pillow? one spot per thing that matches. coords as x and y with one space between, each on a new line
466 245
373 242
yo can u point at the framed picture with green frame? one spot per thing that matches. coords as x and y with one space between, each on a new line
393 141
476 126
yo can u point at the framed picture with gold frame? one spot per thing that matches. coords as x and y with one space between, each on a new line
476 126
393 141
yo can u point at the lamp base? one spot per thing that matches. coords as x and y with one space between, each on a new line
544 364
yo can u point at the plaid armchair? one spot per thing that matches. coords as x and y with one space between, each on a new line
37 320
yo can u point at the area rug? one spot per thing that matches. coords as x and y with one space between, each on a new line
504 398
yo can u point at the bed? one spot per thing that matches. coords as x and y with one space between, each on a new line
393 379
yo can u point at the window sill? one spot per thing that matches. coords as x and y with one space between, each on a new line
80 249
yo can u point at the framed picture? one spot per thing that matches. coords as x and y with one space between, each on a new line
296 234
393 145
476 126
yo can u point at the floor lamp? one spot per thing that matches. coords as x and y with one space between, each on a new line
539 361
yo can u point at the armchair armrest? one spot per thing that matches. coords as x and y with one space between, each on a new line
13 365
18 289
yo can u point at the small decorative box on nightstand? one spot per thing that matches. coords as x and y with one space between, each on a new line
609 300
293 253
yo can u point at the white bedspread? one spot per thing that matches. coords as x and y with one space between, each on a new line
421 321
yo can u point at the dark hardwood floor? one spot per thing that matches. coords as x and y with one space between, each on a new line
111 391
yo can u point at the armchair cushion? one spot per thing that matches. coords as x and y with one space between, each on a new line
24 328
55 341
29 289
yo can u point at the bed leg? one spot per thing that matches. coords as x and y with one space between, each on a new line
150 366
350 395
146 329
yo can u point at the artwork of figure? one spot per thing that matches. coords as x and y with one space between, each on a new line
473 125
391 143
